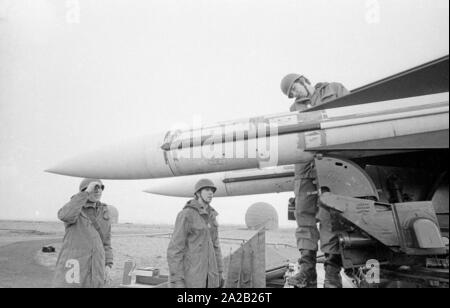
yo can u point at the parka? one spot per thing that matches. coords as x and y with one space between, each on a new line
85 251
324 93
194 256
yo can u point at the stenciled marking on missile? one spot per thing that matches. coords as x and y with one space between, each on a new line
216 162
305 117
314 139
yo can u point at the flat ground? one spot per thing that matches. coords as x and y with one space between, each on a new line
22 264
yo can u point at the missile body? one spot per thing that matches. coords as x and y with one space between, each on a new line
336 174
268 141
231 183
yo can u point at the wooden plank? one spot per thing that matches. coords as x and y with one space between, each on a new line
245 267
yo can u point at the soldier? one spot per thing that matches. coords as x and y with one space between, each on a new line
306 209
194 255
86 256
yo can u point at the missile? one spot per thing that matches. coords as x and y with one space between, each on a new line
337 174
231 183
269 141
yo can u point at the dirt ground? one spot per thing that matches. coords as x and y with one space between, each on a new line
23 264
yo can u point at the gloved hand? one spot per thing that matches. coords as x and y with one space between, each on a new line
108 279
91 187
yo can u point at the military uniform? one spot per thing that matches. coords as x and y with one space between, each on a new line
306 210
324 93
86 248
194 256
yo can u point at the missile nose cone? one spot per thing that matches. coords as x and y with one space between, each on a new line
160 189
174 187
184 186
136 159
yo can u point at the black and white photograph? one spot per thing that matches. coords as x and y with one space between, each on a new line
240 146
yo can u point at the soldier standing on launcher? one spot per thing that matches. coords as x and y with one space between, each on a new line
306 207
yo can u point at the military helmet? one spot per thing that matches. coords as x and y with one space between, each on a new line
204 183
287 82
85 183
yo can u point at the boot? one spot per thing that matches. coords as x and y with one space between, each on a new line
333 266
307 276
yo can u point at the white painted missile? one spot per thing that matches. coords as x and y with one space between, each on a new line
337 174
231 183
266 141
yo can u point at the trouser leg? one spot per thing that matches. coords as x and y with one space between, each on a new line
329 238
329 244
307 234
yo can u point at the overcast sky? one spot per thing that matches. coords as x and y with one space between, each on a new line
75 75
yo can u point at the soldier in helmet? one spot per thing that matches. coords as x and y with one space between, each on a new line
306 95
306 208
86 256
194 255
